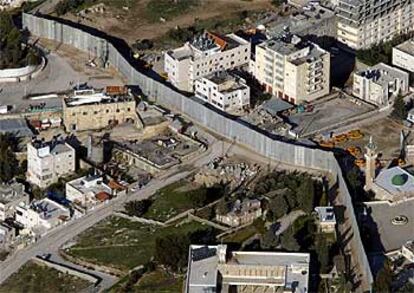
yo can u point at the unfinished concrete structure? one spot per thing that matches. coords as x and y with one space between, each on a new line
90 110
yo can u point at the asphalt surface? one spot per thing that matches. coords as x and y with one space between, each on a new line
62 234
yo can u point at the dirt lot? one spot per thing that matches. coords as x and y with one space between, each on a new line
137 23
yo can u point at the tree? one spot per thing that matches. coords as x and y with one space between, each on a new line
288 240
9 166
279 207
400 110
306 194
171 251
222 207
270 240
383 279
322 249
137 207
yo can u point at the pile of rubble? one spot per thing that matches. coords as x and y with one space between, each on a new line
225 173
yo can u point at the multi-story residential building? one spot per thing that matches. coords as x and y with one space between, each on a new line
379 84
224 91
363 23
403 56
10 196
214 269
293 69
41 215
89 110
206 54
47 161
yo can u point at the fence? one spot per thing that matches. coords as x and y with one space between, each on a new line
109 51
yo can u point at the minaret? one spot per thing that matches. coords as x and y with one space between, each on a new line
370 160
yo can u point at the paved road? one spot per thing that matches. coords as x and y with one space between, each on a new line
56 238
288 220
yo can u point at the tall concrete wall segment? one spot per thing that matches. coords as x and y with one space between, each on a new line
278 150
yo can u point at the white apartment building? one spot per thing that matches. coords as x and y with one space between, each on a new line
224 91
41 215
293 69
10 196
363 23
206 54
47 161
379 84
403 56
87 191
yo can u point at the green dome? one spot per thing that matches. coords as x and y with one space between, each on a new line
399 179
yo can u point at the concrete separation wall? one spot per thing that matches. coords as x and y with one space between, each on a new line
264 144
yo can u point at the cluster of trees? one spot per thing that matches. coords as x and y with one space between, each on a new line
137 207
171 250
14 52
399 111
289 191
204 195
9 165
381 52
302 235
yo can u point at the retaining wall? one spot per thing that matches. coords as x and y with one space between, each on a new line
235 130
22 73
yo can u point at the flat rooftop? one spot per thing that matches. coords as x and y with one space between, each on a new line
92 97
53 147
407 47
286 44
11 192
326 214
48 209
290 270
202 272
227 82
149 150
392 234
383 74
90 184
395 180
18 126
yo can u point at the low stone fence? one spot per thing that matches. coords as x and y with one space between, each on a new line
68 270
139 219
207 222
88 265
22 73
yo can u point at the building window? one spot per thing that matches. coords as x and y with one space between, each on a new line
107 111
129 109
117 110
85 113
95 112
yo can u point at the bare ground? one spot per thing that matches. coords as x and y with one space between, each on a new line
134 24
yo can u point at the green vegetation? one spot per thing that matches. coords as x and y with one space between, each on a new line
122 244
383 279
9 166
180 197
241 235
293 191
14 52
33 277
137 207
159 281
149 279
66 6
168 9
399 111
381 52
